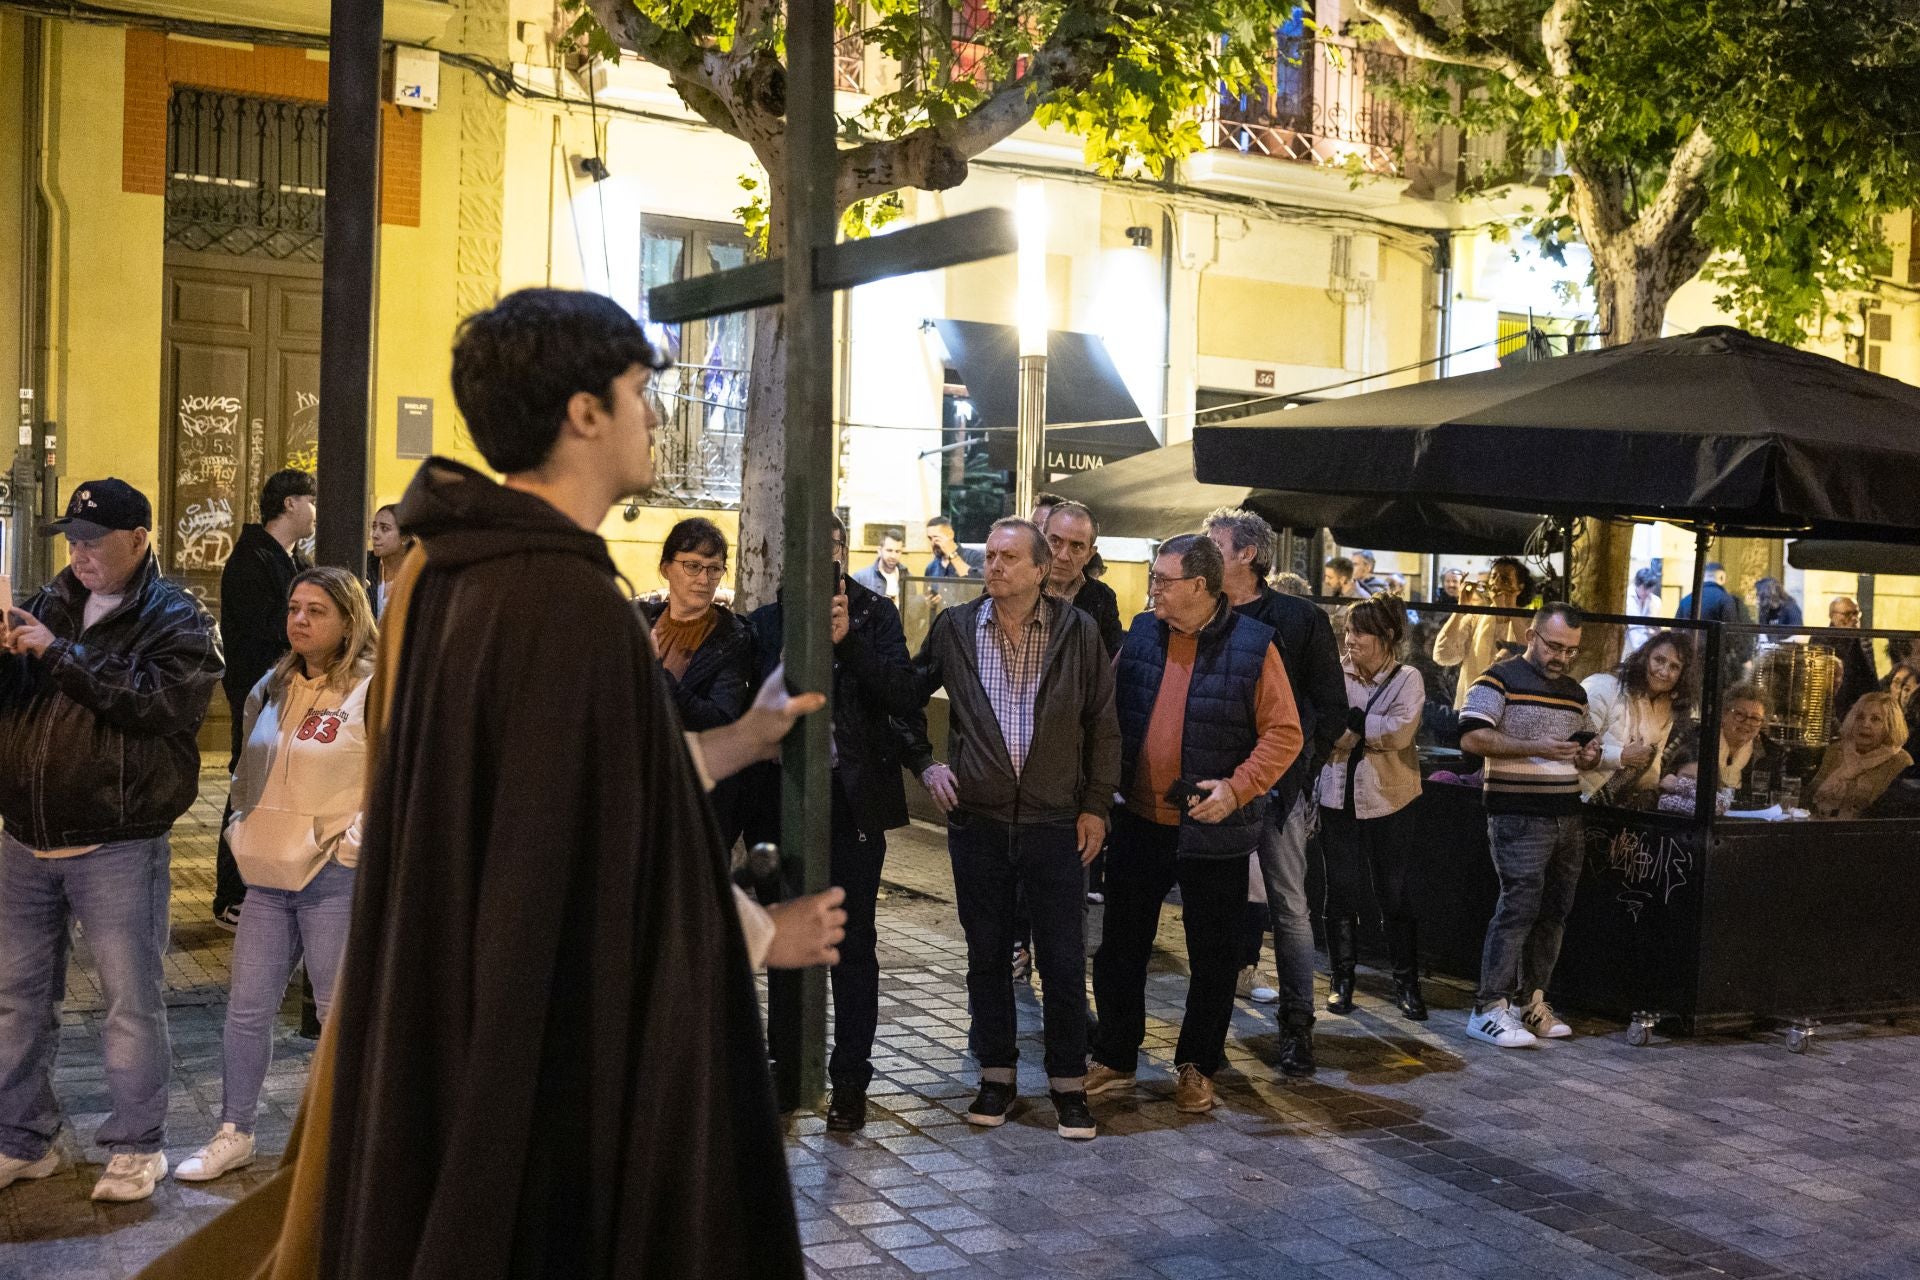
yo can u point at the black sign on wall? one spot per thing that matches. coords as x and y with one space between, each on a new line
414 439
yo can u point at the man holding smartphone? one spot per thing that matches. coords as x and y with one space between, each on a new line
1207 727
1528 717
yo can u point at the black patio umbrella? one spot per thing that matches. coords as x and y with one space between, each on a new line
1154 495
1717 430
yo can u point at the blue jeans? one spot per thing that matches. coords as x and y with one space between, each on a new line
989 860
1538 862
118 894
1283 865
278 928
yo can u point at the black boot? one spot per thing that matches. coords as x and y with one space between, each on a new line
1403 941
1296 1045
847 1109
1343 950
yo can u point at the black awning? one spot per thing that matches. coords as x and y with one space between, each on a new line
1853 557
1082 386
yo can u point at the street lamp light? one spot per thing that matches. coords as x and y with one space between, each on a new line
1030 218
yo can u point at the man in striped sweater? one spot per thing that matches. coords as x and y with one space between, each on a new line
1523 715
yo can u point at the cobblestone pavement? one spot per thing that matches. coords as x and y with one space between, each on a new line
1415 1152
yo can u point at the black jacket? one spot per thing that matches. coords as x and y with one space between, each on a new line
877 710
253 615
1074 760
718 684
549 1058
1859 674
98 736
1096 599
1304 638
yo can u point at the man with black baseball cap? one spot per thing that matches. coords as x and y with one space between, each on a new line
104 680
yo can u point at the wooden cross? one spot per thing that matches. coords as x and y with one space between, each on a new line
804 282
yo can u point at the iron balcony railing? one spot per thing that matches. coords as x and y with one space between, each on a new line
698 453
1321 106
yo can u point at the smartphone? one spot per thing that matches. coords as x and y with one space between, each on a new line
1583 737
1182 794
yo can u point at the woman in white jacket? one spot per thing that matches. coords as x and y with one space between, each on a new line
1367 789
1634 708
295 834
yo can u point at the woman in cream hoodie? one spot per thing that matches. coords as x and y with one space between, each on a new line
295 834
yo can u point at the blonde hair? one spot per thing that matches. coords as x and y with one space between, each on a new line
1890 711
354 661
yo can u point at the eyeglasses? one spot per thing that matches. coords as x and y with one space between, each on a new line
1568 651
1745 717
698 569
1155 582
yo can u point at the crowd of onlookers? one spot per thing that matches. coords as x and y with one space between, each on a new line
1205 744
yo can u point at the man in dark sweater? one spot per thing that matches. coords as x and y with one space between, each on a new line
1304 638
253 627
1071 531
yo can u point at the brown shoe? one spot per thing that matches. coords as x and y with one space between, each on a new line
1193 1092
1104 1079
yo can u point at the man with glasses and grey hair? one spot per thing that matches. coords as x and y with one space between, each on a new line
1207 726
1033 756
1304 639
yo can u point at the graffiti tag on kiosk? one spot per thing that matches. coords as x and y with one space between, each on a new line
1650 865
205 535
209 415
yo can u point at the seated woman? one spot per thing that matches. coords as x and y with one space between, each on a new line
1742 750
1634 709
1864 761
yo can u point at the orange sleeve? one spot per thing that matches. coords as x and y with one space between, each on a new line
1278 723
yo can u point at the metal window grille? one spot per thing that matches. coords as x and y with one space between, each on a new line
698 452
246 176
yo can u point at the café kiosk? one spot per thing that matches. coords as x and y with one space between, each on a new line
1709 921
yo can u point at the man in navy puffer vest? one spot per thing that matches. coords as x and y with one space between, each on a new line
1207 726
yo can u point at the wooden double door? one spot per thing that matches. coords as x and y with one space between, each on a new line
240 399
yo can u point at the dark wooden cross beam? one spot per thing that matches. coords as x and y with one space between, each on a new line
966 237
804 282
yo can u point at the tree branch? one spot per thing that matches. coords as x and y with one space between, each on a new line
1684 194
1419 35
699 74
934 158
754 23
1556 35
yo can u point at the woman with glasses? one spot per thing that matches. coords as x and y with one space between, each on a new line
1745 762
1366 791
706 651
1634 709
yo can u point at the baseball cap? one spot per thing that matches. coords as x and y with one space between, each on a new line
102 506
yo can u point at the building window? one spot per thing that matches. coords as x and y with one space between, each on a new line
246 176
704 395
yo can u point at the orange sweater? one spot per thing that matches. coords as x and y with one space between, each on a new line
1274 716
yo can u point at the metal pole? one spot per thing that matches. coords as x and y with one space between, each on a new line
1702 546
347 279
805 779
1030 436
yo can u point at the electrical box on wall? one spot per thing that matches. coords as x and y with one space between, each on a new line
416 79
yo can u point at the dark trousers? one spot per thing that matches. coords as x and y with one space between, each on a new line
1368 857
229 890
1142 865
856 860
991 860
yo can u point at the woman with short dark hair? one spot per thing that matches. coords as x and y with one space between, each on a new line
1366 791
706 651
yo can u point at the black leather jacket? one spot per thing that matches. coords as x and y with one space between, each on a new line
98 736
877 710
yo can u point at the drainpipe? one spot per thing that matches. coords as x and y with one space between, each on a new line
1443 272
28 560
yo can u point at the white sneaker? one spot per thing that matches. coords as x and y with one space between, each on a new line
130 1176
230 1149
1266 989
1496 1025
1540 1019
13 1169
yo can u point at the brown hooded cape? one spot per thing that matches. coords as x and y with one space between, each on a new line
545 1056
